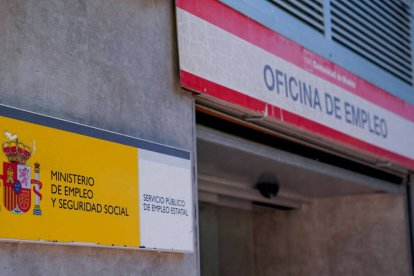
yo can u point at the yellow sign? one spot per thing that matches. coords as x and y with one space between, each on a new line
56 185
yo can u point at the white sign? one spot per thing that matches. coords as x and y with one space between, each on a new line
230 57
165 196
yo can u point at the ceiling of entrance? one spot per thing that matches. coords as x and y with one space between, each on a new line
241 162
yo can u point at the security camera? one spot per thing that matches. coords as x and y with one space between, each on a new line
268 189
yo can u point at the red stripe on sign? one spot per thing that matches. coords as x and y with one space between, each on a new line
207 87
13 203
245 28
223 93
12 199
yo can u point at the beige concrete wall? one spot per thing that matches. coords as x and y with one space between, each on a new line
110 64
354 235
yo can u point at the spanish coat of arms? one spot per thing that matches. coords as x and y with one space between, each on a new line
16 178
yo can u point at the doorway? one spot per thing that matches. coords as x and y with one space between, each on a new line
325 219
